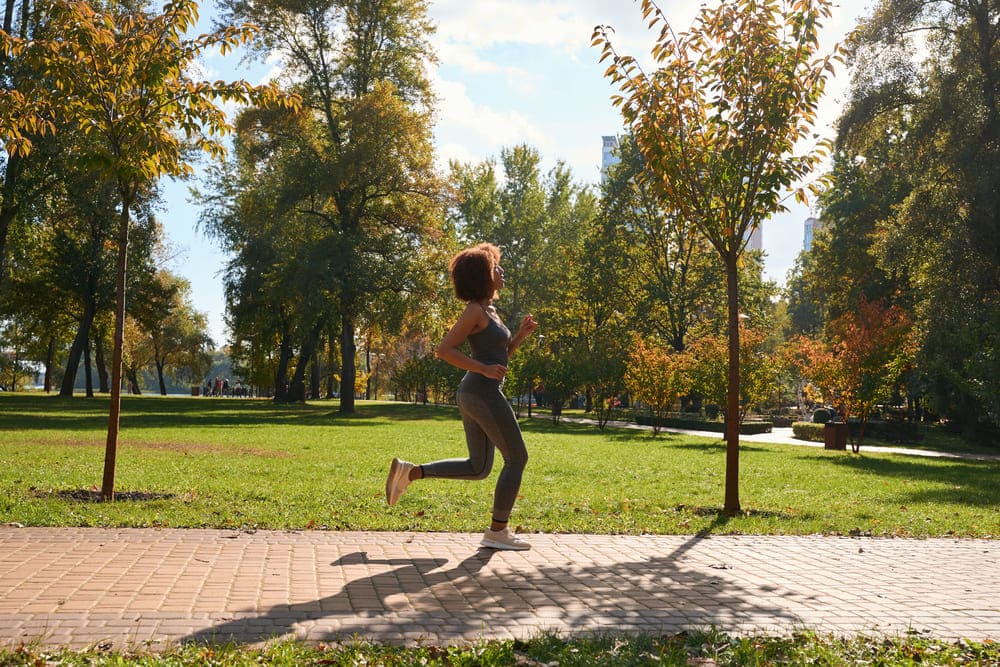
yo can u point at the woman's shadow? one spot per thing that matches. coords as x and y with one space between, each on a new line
366 595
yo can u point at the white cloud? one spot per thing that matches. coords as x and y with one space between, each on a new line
486 129
468 60
486 23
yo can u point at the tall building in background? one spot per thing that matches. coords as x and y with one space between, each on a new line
812 225
609 155
756 239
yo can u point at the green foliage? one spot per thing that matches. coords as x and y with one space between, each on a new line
917 192
353 175
540 222
661 274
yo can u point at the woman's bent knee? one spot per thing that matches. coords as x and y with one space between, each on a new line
518 459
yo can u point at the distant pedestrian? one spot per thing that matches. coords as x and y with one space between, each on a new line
487 416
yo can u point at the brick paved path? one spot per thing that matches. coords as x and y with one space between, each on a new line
127 587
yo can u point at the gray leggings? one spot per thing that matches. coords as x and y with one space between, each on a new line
489 422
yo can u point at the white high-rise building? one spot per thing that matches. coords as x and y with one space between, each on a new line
812 225
609 155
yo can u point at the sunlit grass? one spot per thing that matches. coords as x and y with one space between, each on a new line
197 462
695 648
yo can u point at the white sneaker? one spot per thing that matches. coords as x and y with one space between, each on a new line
398 480
503 539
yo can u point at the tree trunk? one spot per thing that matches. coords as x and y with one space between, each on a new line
50 359
348 370
368 370
298 386
6 218
159 377
88 370
732 502
132 378
8 17
331 364
114 412
314 375
102 364
281 374
76 352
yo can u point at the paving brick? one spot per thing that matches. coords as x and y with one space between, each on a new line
163 586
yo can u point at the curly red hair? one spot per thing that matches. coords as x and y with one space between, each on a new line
472 272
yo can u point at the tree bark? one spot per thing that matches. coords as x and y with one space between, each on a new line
732 498
88 371
160 378
114 413
281 374
131 376
50 360
314 375
305 357
331 361
102 364
9 207
348 369
76 352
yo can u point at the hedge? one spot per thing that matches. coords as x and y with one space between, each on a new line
889 431
688 423
808 431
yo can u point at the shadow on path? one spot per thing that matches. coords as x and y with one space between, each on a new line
476 599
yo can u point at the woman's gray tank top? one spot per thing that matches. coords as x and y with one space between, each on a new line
489 346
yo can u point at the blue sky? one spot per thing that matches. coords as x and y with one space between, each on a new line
510 72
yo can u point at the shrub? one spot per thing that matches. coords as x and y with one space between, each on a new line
810 431
822 416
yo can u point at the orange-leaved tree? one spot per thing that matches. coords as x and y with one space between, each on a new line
758 370
720 123
125 77
656 377
858 365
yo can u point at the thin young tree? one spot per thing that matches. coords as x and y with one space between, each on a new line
123 76
721 123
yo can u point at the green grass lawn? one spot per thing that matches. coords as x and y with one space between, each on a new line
198 462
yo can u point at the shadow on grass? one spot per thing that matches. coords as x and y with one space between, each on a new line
974 483
648 593
94 496
547 426
38 412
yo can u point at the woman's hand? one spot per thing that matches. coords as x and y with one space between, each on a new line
528 324
494 371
